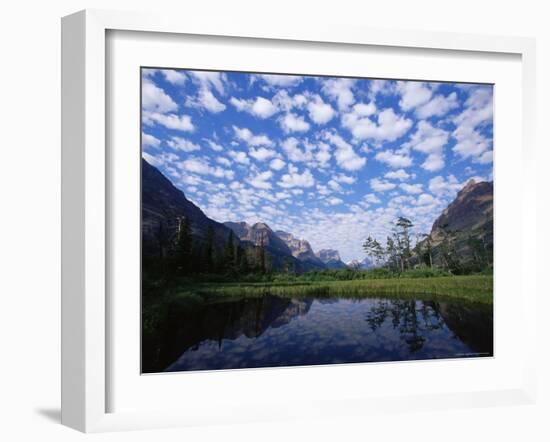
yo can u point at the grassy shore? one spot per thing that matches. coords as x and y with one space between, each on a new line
476 288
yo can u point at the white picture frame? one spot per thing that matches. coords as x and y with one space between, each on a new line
86 212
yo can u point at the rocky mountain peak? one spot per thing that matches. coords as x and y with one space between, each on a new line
258 234
361 265
469 185
261 226
472 208
327 255
300 248
331 258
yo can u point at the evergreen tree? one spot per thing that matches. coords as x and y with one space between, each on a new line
447 249
374 249
184 245
241 260
288 265
423 249
403 240
261 254
391 253
161 234
209 250
229 252
477 249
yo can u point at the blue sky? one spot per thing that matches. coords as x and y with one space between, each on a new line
330 160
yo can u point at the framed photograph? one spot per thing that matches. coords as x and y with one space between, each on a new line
262 223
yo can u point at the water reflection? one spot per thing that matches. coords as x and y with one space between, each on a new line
275 331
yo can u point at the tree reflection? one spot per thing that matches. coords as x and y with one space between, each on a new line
185 327
414 320
234 333
411 318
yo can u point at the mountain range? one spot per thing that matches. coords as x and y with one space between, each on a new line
364 264
163 205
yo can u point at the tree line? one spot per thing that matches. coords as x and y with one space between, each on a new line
456 252
182 254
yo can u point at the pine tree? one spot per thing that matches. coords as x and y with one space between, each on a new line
241 259
209 250
373 249
184 245
447 249
391 253
403 240
229 252
163 239
261 254
423 249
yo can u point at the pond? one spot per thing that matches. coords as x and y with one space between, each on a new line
272 331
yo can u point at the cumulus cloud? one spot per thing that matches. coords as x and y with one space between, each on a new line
239 157
411 188
260 107
281 80
399 174
174 77
213 145
379 185
340 91
277 164
346 179
333 201
261 154
388 125
344 154
413 94
323 155
431 141
149 140
244 134
170 121
394 159
295 153
485 158
425 199
209 79
223 161
438 106
205 99
319 111
294 179
286 102
261 180
440 186
154 99
202 167
434 162
292 122
372 198
380 87
183 144
471 142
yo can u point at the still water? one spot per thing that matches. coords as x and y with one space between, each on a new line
275 331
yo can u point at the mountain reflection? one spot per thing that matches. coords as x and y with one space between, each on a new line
272 331
186 328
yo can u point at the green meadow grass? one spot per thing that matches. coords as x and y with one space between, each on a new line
476 288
